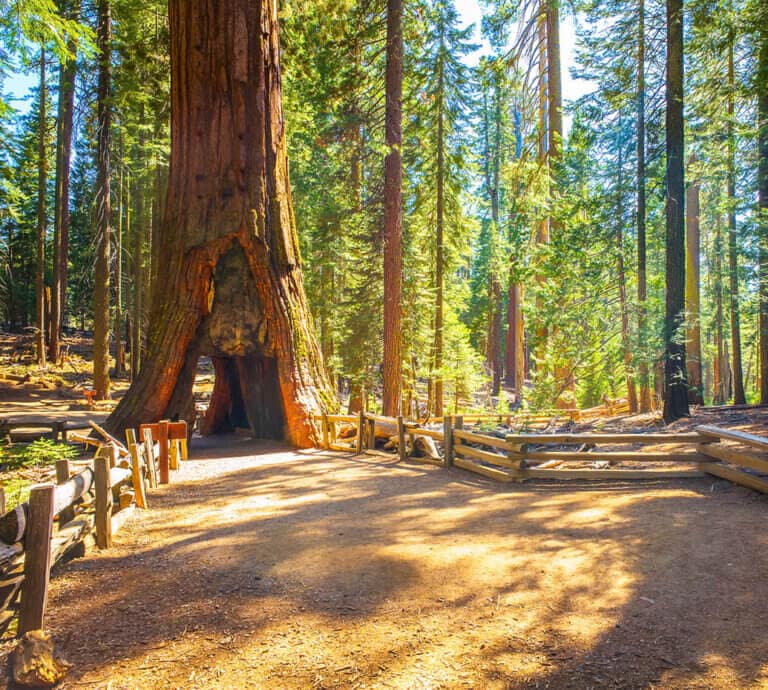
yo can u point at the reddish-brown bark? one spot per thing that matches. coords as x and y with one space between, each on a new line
231 277
393 212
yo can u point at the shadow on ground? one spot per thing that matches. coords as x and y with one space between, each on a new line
264 567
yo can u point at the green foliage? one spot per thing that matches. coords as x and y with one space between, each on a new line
36 454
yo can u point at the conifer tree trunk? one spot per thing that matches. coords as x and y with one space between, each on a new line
42 183
692 300
64 126
762 192
101 382
625 343
514 369
642 281
122 207
439 246
739 397
232 285
554 84
565 379
675 384
493 353
720 386
393 212
139 230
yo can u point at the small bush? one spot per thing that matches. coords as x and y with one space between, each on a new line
36 454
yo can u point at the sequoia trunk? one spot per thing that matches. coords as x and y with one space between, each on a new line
232 284
675 383
393 212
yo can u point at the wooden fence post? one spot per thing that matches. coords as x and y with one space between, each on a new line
137 475
37 558
162 439
372 434
149 454
326 440
103 488
360 431
173 455
401 438
62 476
447 441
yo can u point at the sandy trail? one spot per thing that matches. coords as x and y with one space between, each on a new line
262 567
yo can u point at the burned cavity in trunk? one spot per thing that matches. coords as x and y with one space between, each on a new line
246 392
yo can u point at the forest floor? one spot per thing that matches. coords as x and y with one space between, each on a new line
265 567
269 568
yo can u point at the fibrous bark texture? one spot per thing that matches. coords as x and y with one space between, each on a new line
393 212
675 383
230 277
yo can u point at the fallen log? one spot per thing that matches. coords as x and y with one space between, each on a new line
423 446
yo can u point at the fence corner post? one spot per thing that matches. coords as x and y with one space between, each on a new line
401 438
326 440
360 431
163 460
371 433
37 558
448 440
103 489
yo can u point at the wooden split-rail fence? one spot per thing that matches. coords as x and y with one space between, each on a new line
739 457
90 501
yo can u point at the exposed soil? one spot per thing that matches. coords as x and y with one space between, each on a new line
262 567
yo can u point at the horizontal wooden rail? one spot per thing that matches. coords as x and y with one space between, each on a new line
617 473
647 439
735 457
617 456
735 476
732 435
474 437
431 433
66 494
485 455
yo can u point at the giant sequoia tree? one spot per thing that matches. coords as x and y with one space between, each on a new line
231 283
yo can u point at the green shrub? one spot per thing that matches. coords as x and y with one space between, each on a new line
36 454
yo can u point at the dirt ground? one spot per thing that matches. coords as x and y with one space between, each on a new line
266 568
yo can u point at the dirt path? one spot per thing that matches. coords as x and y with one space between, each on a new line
261 567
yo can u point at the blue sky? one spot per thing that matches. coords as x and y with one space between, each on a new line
18 85
471 13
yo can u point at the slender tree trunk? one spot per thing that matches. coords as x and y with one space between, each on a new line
122 207
565 380
739 397
393 212
642 281
232 281
625 341
542 232
676 387
42 183
139 231
762 202
720 386
494 354
554 84
64 126
101 382
692 299
439 247
514 369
